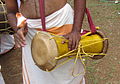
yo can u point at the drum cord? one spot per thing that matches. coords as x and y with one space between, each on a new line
5 29
4 13
79 54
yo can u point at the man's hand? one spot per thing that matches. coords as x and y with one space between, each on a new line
74 38
19 37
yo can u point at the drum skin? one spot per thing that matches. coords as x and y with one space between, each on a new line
43 50
45 47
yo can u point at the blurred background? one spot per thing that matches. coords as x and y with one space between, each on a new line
106 15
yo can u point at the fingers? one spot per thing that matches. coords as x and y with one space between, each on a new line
18 43
21 35
70 44
73 44
16 46
77 43
19 39
74 39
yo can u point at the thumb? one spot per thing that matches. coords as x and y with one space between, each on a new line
66 39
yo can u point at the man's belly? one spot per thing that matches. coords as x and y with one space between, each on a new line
30 8
56 19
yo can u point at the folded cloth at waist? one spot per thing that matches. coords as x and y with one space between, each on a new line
57 19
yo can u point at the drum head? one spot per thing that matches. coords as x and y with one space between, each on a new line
105 45
44 50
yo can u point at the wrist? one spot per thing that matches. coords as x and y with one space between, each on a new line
16 29
76 28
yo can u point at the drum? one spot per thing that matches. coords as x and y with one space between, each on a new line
4 26
3 1
46 47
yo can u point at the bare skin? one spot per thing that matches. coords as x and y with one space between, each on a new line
31 10
50 7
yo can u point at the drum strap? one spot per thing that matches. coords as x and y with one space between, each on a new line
90 21
42 13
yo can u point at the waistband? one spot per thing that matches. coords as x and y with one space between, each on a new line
56 19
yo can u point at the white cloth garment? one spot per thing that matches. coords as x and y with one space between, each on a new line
6 43
32 74
57 19
1 79
18 1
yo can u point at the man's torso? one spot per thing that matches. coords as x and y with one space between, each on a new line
30 8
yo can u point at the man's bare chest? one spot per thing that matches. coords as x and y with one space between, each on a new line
30 8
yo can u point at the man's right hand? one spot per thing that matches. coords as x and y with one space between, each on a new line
19 37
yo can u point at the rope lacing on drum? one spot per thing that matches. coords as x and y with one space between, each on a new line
4 12
6 21
76 53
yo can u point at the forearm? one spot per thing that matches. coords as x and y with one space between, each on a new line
12 9
12 20
79 11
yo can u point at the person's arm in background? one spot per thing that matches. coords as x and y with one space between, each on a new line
74 36
12 9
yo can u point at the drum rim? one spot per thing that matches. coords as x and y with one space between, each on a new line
105 45
50 36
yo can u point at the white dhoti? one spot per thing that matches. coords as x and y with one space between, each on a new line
32 74
6 43
1 79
